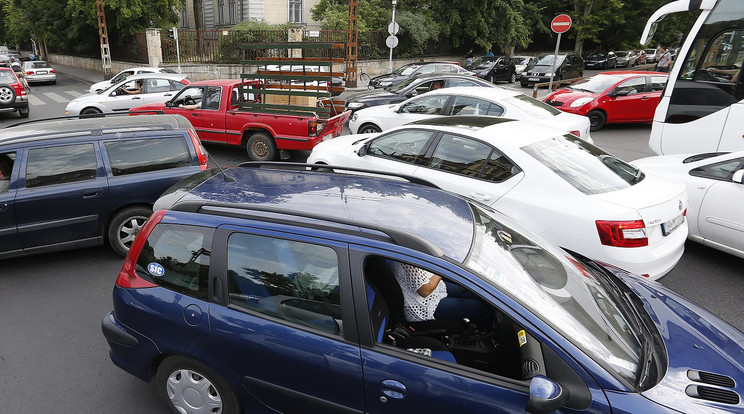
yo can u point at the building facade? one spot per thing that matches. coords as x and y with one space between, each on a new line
212 14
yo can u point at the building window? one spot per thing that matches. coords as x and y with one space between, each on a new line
295 11
227 12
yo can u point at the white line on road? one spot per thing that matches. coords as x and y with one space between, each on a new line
33 100
56 97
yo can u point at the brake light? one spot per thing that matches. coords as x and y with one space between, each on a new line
622 233
128 278
577 133
201 153
52 71
312 128
30 72
185 81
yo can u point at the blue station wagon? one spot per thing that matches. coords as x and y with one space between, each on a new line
275 290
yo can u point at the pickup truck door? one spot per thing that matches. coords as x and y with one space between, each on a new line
213 116
189 104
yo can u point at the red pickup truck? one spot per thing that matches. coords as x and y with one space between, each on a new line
213 107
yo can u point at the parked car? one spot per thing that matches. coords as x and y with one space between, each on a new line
415 86
13 94
100 86
715 187
650 55
39 71
500 102
567 66
641 59
80 183
612 97
214 107
522 62
130 92
272 291
415 69
494 69
626 58
573 193
601 60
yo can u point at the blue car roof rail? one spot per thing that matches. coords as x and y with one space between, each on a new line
86 116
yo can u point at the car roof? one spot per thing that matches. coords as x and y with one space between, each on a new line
347 199
48 129
217 82
476 91
629 73
175 76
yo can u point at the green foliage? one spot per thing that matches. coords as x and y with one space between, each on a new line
253 24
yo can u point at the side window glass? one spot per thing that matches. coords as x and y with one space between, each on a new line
431 105
6 168
461 82
157 86
60 165
631 86
176 86
424 87
402 146
464 105
190 98
290 280
177 257
495 110
499 168
214 94
720 171
658 83
460 155
143 155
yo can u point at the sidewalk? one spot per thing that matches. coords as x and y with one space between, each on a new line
82 75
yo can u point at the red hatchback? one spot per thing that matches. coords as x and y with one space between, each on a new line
612 97
12 93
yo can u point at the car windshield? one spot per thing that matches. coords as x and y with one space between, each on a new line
650 51
7 76
532 106
570 297
597 83
520 60
406 70
39 65
549 59
402 85
597 55
586 167
482 63
621 54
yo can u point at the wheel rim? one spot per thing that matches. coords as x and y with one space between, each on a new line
90 112
190 392
513 78
369 130
260 149
6 95
128 230
594 120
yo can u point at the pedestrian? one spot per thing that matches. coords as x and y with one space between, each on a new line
490 52
469 57
665 59
18 69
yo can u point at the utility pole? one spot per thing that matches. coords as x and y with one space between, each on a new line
103 36
352 44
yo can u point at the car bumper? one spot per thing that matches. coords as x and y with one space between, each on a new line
41 78
531 80
129 351
19 103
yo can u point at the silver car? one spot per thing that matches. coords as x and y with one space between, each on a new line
39 71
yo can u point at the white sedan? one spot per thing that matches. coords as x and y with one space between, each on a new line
572 192
99 86
496 101
715 185
133 91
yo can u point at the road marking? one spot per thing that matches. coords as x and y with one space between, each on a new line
33 100
56 97
74 93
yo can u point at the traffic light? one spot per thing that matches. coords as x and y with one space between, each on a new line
173 33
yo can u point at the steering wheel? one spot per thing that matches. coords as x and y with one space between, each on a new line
189 101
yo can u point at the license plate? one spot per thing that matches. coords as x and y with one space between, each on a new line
668 227
533 79
41 72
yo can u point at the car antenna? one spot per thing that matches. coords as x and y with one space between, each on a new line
225 177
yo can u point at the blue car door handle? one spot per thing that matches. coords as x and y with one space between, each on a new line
393 389
92 194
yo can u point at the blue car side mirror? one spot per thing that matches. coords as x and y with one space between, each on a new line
546 395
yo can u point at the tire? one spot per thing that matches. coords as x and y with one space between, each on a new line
261 147
188 386
512 77
7 95
24 112
368 129
90 112
124 226
597 119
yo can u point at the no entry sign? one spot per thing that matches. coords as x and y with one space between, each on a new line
561 23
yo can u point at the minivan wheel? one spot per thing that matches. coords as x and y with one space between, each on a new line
124 228
188 386
261 147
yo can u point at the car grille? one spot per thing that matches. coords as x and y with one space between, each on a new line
553 102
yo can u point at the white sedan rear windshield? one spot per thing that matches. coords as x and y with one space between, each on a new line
532 106
584 166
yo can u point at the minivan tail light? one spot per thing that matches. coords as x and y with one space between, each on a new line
622 233
128 278
201 153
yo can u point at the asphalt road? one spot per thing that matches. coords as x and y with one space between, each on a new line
53 358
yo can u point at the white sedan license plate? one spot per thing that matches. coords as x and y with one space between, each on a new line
533 79
41 72
668 227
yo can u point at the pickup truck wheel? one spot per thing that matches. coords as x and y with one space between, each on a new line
261 147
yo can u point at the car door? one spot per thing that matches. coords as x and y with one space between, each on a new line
421 107
157 90
720 220
9 243
631 101
501 70
287 326
212 118
63 197
396 152
119 101
188 103
469 167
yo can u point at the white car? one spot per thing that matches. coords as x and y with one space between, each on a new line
715 186
570 191
39 71
99 86
496 101
122 96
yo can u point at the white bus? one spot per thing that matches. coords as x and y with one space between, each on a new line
702 108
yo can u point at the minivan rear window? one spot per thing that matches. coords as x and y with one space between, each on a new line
144 155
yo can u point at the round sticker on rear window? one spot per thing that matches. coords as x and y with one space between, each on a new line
155 269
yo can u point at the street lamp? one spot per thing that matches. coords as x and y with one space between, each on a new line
390 61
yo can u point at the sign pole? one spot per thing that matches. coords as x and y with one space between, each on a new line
560 24
555 60
390 61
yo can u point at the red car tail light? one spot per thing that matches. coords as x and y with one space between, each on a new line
128 278
201 153
30 72
622 233
312 128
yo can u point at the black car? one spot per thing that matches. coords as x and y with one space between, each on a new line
410 88
494 68
71 183
601 60
415 69
567 66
